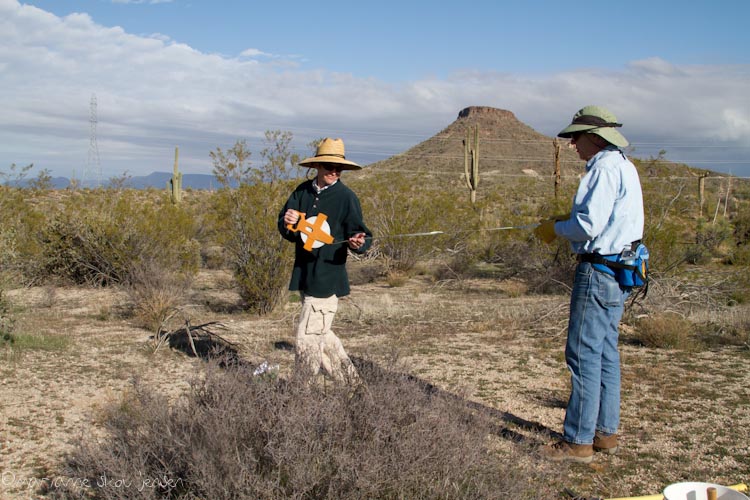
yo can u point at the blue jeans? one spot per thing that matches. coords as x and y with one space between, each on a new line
596 306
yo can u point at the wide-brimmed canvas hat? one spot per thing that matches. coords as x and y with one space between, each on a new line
331 151
596 120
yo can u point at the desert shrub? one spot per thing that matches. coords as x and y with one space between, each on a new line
155 293
739 254
708 239
731 330
7 321
259 258
666 244
461 263
668 222
552 273
235 436
666 330
741 228
20 220
739 286
246 212
400 209
101 237
396 278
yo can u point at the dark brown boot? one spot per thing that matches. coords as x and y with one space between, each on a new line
605 444
563 450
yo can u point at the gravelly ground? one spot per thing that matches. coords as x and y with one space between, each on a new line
685 416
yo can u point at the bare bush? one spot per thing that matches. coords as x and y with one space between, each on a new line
155 293
669 331
243 437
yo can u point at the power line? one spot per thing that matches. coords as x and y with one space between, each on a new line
546 140
540 176
498 158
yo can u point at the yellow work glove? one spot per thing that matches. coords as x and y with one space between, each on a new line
545 231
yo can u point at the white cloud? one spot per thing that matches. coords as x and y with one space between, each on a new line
142 1
254 53
154 94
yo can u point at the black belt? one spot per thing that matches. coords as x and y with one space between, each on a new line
594 258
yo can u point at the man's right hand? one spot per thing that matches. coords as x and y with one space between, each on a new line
291 217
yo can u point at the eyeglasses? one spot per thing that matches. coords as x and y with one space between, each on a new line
332 168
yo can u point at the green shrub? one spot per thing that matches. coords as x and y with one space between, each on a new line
400 211
709 237
260 259
104 237
7 321
739 253
245 217
21 217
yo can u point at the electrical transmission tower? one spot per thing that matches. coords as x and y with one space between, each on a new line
93 166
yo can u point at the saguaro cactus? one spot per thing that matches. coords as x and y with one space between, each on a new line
471 162
174 186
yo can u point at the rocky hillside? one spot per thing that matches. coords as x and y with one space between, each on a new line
506 146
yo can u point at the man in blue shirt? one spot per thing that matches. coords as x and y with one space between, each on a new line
606 218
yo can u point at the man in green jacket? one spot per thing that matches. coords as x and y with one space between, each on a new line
323 218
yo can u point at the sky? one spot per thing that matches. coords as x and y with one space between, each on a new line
382 75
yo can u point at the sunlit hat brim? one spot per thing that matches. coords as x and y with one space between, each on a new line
596 120
345 164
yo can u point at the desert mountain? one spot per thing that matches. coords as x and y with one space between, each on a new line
507 146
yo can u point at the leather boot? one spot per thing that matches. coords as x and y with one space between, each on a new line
563 450
605 444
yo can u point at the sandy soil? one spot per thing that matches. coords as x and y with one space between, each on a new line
685 416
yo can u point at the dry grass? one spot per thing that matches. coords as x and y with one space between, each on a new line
480 343
669 331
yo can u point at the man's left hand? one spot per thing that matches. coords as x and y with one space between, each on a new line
356 241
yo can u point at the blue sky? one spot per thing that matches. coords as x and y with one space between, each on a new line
382 75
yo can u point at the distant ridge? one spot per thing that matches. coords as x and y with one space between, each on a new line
506 146
157 180
160 180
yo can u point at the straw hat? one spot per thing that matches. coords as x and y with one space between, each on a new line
596 120
331 151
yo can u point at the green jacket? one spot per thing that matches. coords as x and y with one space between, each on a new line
322 271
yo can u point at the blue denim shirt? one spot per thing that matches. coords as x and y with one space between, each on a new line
607 211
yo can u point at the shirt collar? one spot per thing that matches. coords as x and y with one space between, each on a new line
321 189
598 155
